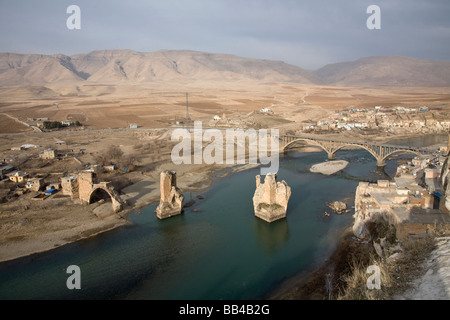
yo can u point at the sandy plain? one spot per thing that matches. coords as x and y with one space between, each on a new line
99 106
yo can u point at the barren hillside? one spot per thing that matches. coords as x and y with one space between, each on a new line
112 66
387 71
127 66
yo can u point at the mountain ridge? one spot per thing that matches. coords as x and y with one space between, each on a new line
387 70
125 65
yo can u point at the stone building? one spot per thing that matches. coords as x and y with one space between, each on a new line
53 186
409 208
34 184
18 177
47 154
85 182
84 187
69 186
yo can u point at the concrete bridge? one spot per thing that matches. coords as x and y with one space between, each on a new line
380 151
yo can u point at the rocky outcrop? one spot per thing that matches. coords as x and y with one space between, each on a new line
171 202
363 217
435 283
271 198
338 207
445 177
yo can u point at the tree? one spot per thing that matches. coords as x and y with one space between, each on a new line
101 159
52 124
114 153
130 161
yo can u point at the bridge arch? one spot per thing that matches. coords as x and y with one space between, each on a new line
359 147
401 151
101 192
309 142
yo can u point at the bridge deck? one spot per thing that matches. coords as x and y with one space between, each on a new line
346 142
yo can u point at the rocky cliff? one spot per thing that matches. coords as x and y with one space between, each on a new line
271 198
445 177
363 217
171 202
435 283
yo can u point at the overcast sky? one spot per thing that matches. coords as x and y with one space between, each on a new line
309 34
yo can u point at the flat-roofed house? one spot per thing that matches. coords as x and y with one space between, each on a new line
47 154
18 177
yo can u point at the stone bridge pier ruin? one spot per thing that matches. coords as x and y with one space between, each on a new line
88 190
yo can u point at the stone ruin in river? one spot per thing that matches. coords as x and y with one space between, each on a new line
271 198
171 202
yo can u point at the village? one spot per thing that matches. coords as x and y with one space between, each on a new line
64 171
392 119
414 202
47 185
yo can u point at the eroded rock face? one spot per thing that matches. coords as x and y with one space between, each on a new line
271 198
445 178
171 202
361 217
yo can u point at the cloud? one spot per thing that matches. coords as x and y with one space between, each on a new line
306 33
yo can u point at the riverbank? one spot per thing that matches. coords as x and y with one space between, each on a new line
317 282
420 270
418 273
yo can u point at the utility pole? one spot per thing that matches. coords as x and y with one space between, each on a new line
187 110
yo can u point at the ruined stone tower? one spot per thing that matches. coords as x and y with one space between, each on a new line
271 198
171 201
85 182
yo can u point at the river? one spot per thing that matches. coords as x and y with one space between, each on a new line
216 249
